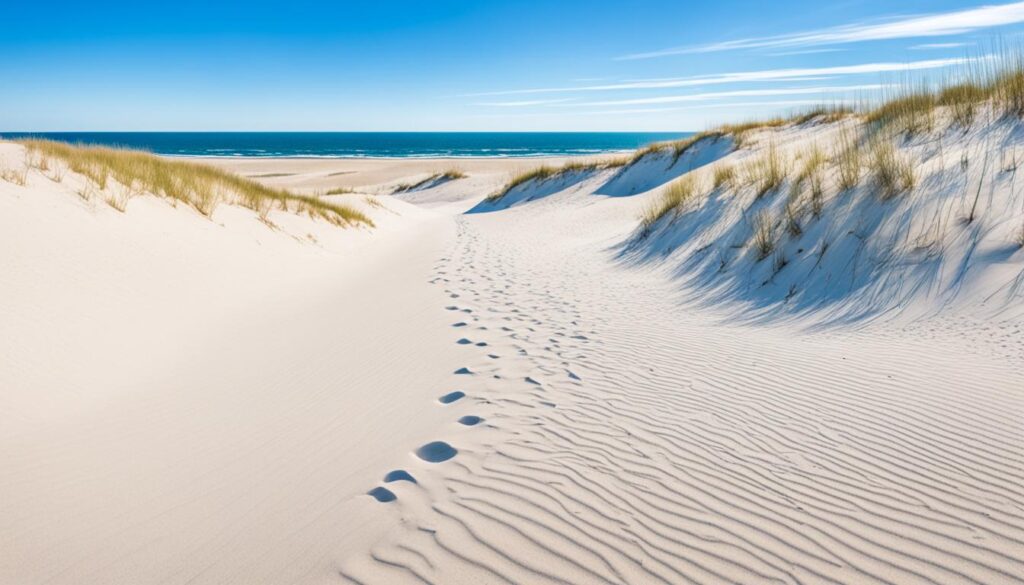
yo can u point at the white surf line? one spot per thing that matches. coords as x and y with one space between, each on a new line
629 440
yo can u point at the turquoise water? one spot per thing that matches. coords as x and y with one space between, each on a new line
366 144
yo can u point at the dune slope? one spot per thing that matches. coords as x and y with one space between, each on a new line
626 437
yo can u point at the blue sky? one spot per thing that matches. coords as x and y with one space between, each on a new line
474 66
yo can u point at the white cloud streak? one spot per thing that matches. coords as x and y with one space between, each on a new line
745 76
929 25
738 93
634 111
523 103
938 46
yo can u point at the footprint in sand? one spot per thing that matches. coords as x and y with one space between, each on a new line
436 452
399 475
382 495
451 397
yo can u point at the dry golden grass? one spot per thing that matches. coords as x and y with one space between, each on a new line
593 165
793 214
848 159
57 172
826 114
541 173
677 147
767 172
811 175
339 191
740 132
199 186
723 175
439 176
545 172
451 174
1006 87
997 80
16 176
962 100
763 235
892 173
373 202
912 111
675 195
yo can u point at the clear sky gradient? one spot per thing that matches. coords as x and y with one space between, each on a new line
448 65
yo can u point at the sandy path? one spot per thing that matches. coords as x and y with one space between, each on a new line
627 439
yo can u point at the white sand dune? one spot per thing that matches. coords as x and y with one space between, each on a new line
531 391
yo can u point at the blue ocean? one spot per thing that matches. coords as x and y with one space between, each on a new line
365 144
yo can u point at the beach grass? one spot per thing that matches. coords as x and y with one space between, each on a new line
121 174
674 196
763 234
449 174
723 175
892 173
544 172
767 172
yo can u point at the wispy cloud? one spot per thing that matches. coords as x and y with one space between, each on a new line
523 103
804 52
926 46
634 111
929 25
717 95
741 77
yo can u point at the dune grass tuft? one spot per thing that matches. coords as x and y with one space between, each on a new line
826 114
740 131
912 111
200 186
446 175
677 147
541 173
892 173
763 237
16 176
848 159
339 191
723 175
545 172
767 172
675 195
962 100
811 174
451 174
